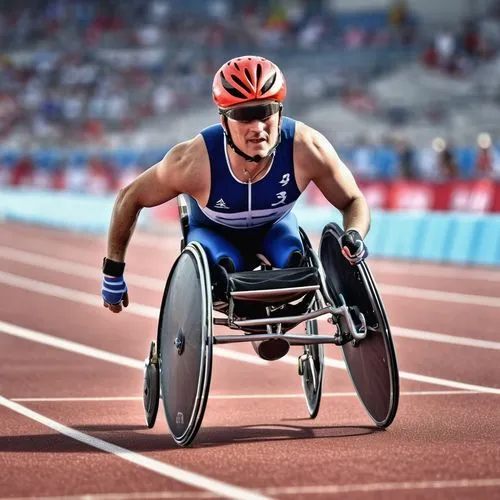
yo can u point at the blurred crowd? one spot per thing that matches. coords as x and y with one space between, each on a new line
396 159
76 72
458 52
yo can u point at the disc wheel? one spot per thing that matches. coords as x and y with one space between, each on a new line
185 338
312 370
371 362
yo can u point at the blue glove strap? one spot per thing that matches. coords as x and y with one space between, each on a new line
113 289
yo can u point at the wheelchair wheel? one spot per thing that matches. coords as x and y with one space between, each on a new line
185 343
311 369
371 362
151 390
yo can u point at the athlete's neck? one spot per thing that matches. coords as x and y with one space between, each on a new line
247 171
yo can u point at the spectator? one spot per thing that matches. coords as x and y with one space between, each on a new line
447 166
406 159
23 172
487 161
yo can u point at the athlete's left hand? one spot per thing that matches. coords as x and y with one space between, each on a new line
353 246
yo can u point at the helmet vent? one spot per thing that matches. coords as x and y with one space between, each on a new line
248 75
230 88
240 83
270 82
259 71
236 66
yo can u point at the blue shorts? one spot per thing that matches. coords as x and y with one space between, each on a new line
276 242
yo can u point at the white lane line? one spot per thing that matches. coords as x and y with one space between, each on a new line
92 352
67 345
416 269
153 312
334 363
291 490
155 284
443 338
438 295
410 333
177 474
94 300
74 268
106 399
371 487
171 495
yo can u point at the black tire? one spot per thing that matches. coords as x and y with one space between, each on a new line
371 362
312 371
151 390
185 343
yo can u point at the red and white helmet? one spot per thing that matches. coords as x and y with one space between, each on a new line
248 78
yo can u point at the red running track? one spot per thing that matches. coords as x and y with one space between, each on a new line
73 424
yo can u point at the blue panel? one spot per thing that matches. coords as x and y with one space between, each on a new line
461 235
10 157
375 238
433 237
485 247
466 159
77 158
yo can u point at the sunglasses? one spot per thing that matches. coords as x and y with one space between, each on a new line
251 113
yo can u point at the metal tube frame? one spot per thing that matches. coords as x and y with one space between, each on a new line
323 301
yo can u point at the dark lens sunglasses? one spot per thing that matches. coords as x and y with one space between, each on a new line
251 113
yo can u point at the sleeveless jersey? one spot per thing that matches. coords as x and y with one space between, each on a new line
236 204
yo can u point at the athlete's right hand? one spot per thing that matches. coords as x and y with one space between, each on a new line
114 293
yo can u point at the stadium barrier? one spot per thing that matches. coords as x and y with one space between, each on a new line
454 237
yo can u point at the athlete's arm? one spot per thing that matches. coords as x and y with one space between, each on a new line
318 161
178 172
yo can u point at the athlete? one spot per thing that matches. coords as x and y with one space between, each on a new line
242 178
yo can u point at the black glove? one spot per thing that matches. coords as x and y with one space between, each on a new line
353 246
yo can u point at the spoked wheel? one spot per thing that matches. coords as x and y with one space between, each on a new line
311 369
371 362
185 343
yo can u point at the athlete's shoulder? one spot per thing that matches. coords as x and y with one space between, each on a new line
186 162
312 149
186 152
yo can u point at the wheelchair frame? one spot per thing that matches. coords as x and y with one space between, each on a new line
326 305
368 350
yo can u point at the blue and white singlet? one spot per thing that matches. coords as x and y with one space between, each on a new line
236 204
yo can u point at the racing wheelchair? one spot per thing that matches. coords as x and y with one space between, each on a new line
265 304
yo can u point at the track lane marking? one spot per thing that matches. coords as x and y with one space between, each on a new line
155 284
106 399
162 468
42 338
153 312
334 363
410 333
418 269
291 490
438 295
93 352
75 268
170 240
372 487
123 496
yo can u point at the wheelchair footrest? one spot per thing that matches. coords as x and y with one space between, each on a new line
273 285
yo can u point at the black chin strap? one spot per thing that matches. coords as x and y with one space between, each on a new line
238 151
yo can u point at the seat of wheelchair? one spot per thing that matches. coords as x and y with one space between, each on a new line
276 285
